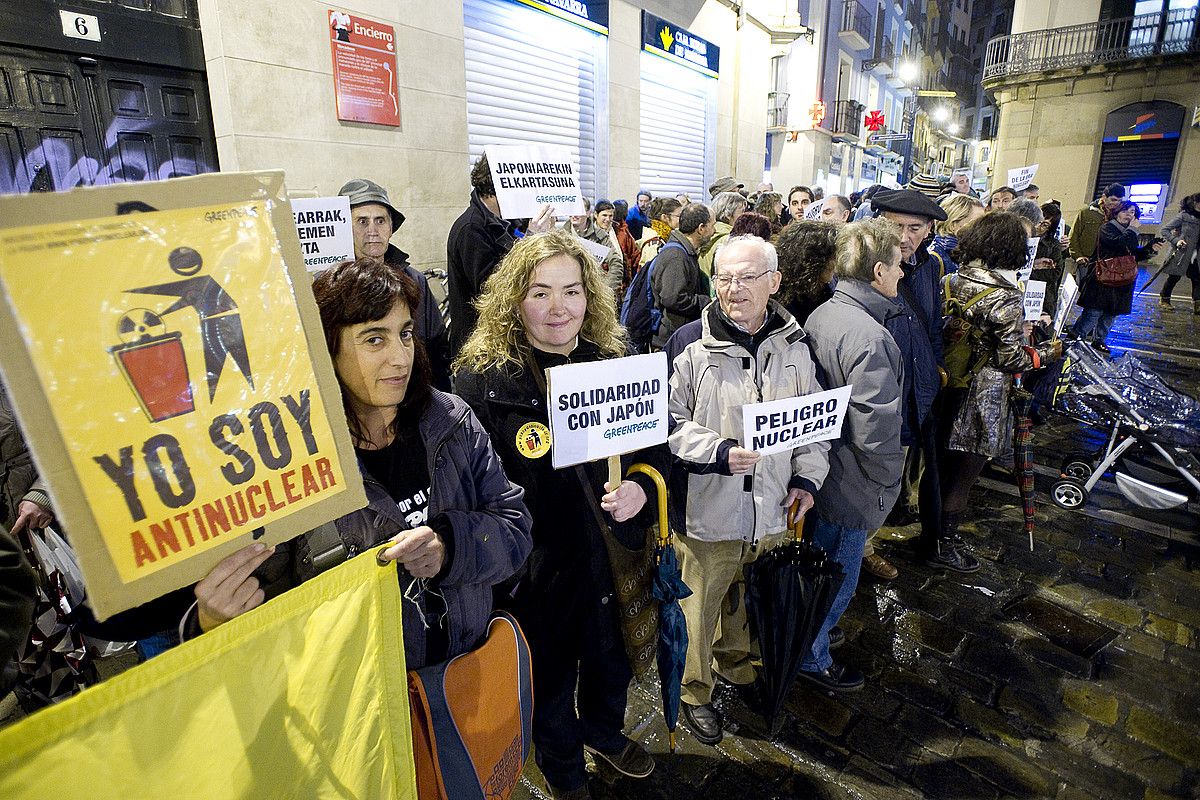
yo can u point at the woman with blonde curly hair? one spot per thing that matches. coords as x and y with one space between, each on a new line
545 306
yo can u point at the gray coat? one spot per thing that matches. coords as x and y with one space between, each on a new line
1183 226
851 346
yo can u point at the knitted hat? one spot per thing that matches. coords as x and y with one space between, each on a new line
926 184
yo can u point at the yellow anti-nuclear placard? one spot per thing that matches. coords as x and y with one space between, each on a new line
173 357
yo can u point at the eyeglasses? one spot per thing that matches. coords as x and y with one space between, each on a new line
725 281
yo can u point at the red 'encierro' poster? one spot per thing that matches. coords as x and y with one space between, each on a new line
364 69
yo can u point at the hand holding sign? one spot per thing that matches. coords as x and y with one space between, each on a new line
778 426
1035 295
624 501
532 181
742 460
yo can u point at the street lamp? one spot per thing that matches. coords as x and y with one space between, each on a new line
908 72
941 114
954 128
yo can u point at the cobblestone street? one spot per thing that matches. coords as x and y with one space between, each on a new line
1067 672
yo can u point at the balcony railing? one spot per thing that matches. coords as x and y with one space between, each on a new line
912 13
1114 40
777 108
856 25
847 117
885 55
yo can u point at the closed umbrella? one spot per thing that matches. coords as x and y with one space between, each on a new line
789 591
668 588
1022 401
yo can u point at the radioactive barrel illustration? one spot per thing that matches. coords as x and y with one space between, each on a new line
154 365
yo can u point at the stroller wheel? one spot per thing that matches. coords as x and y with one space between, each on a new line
1068 493
1077 469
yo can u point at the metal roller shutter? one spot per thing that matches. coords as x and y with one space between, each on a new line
1129 163
678 119
536 79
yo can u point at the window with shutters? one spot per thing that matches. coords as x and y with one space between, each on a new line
678 129
535 79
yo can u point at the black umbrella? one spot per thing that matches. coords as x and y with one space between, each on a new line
789 590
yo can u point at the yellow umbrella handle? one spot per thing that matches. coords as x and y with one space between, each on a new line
795 522
664 531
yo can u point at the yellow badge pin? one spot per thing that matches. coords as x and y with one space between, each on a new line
533 440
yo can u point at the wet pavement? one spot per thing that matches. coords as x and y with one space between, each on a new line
1071 671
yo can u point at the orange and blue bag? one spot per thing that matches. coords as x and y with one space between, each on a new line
472 718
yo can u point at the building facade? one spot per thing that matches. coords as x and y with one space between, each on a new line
1094 96
905 66
108 90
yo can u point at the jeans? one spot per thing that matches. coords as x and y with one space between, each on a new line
844 546
1093 324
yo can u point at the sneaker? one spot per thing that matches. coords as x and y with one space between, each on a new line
704 721
953 556
1165 302
880 567
841 678
632 760
1101 346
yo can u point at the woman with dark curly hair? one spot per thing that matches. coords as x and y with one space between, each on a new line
977 420
752 224
807 251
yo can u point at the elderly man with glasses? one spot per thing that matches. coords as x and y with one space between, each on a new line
745 348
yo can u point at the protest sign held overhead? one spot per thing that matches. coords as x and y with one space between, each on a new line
1035 295
195 409
606 408
323 225
778 426
1020 178
530 177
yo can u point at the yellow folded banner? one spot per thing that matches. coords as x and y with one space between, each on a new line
306 696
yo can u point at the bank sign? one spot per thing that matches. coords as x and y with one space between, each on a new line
672 42
590 14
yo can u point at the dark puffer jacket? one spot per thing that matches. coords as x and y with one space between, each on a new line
490 529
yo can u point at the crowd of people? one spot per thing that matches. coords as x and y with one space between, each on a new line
911 297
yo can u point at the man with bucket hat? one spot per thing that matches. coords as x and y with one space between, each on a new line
374 220
918 333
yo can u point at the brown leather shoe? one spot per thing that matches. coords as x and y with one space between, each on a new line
880 567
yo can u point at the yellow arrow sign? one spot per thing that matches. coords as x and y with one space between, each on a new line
667 38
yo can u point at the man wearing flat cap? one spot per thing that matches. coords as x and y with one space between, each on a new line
726 184
374 221
918 333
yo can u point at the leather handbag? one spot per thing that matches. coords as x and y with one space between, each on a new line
472 718
1116 272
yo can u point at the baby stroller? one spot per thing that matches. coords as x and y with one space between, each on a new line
1153 431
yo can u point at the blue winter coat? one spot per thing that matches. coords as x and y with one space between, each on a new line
918 334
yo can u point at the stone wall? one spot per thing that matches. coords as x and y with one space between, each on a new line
270 75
